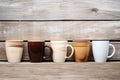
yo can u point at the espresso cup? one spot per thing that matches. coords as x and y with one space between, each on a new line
101 50
36 50
60 51
14 50
81 50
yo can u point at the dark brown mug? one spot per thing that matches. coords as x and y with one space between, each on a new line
36 51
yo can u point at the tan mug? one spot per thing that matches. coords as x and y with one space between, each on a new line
14 50
60 51
81 50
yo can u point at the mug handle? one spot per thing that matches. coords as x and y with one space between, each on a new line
113 50
48 56
71 52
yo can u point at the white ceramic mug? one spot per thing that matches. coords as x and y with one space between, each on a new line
101 50
14 50
60 50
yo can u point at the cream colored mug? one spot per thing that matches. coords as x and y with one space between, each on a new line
60 51
14 50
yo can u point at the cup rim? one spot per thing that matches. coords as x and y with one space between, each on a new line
100 40
59 42
35 41
14 40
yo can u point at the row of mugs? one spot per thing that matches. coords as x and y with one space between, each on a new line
58 50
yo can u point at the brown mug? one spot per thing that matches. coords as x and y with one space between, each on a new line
36 51
81 50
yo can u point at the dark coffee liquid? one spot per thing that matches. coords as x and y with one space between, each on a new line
36 51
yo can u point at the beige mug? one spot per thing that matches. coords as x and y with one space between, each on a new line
60 51
81 50
14 50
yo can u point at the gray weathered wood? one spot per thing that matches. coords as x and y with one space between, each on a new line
26 56
60 30
59 9
62 71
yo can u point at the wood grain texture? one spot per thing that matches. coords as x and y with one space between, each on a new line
26 56
59 10
60 30
63 71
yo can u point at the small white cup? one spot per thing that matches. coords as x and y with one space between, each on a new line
60 51
101 50
14 50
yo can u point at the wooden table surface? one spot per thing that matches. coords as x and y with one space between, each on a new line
60 71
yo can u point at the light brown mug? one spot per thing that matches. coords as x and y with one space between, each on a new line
81 50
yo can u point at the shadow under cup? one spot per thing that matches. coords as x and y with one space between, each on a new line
37 51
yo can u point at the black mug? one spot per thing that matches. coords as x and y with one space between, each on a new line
36 51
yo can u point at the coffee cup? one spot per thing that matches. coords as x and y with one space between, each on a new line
101 50
81 50
14 50
60 51
36 51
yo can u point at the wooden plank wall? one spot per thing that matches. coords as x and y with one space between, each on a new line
59 20
60 30
63 71
59 9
